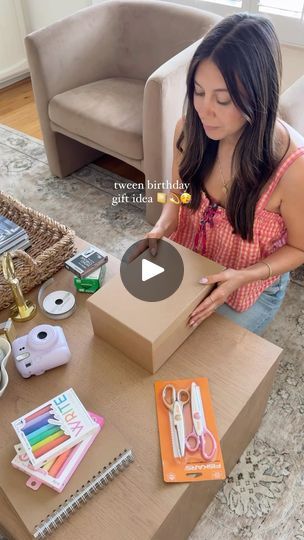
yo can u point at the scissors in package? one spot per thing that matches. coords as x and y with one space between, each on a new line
175 402
200 434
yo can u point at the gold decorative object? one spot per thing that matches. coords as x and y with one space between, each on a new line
23 310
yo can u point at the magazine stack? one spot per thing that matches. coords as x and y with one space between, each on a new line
12 236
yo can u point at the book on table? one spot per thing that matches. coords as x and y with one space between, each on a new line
12 236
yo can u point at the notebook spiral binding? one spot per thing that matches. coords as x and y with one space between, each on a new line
100 480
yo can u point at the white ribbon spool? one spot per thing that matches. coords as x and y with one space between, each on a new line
58 304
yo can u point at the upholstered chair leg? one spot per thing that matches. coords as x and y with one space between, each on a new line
66 155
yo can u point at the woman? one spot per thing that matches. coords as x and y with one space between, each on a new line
246 175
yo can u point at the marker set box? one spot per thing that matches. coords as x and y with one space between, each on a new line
57 471
54 427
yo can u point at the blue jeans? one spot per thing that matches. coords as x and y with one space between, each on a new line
258 316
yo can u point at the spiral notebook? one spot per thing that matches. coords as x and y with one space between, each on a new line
40 511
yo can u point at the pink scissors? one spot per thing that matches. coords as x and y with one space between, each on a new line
175 402
200 433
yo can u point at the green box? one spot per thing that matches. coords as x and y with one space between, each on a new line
92 282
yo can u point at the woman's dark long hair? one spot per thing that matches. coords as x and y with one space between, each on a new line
246 50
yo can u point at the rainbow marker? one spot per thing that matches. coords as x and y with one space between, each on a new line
46 432
74 450
59 463
44 428
45 440
46 467
37 423
38 413
49 446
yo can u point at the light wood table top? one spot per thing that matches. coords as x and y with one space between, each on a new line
138 505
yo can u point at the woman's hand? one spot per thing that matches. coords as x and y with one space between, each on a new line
149 241
228 281
153 236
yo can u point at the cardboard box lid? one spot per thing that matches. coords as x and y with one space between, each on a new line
151 319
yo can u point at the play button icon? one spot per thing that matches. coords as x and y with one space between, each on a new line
151 278
150 270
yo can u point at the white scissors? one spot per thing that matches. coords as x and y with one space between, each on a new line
200 432
175 402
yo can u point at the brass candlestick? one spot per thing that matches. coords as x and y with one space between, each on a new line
24 310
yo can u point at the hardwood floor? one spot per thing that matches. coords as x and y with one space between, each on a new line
18 110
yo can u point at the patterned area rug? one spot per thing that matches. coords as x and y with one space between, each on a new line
263 498
82 201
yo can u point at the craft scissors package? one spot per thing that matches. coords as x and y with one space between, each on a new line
189 442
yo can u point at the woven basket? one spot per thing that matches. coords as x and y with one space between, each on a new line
51 245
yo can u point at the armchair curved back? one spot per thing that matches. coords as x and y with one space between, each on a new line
291 106
150 33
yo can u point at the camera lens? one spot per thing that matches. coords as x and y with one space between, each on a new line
41 335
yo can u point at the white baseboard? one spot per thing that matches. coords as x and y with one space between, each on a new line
12 80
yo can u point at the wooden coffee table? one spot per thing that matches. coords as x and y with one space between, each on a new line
138 505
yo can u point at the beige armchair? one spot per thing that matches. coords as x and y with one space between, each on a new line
111 78
291 107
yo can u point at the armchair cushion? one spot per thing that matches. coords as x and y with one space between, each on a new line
108 112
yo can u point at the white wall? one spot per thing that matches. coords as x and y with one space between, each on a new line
13 61
40 13
20 17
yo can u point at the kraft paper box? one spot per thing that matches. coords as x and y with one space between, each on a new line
150 332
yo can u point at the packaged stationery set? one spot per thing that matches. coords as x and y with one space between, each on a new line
57 471
190 446
60 444
54 427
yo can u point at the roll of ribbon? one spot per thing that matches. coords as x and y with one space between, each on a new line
5 351
58 304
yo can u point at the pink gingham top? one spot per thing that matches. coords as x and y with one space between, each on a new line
209 232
